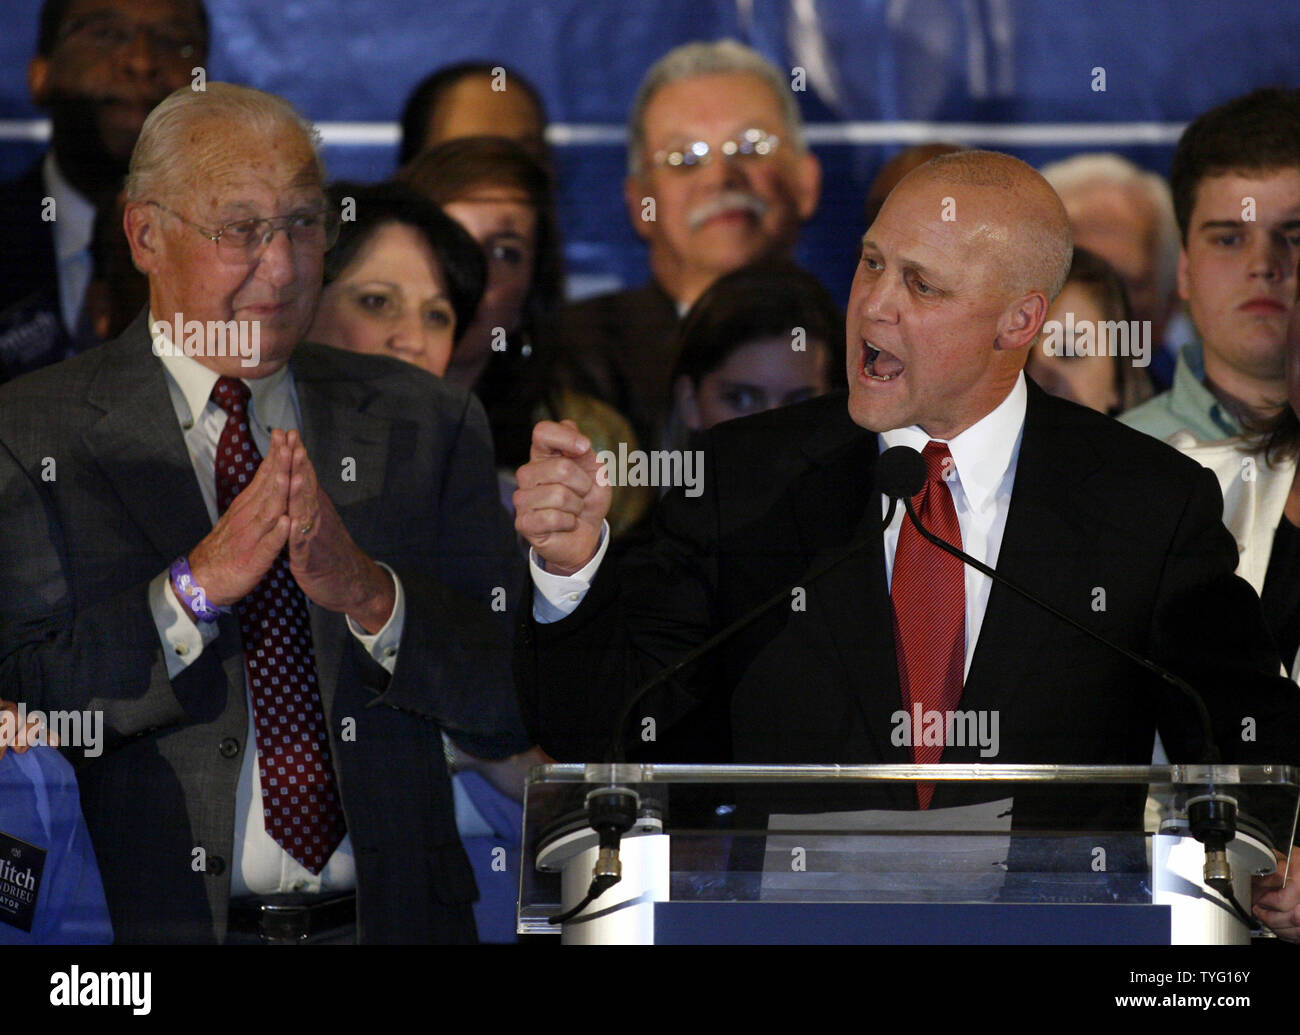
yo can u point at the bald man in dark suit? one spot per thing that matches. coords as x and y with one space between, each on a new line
952 288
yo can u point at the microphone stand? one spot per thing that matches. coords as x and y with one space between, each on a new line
1211 814
612 809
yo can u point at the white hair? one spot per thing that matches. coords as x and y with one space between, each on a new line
1085 172
718 58
163 155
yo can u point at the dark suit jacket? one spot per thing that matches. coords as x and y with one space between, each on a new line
27 261
621 348
32 334
407 461
1114 528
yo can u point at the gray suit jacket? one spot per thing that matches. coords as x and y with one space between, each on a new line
97 496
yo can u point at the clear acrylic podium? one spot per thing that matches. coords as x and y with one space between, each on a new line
807 854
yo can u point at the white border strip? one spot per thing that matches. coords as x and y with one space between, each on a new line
37 130
565 134
1034 134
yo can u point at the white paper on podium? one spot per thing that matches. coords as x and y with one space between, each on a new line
919 856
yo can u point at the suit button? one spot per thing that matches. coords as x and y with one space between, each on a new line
216 865
229 747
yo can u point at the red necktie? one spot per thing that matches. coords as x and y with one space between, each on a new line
299 794
929 597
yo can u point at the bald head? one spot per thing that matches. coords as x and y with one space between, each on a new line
952 287
1012 210
898 167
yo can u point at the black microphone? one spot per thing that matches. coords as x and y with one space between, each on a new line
900 474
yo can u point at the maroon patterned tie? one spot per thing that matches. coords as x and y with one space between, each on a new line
929 597
299 794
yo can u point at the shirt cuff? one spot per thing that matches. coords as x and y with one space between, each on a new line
382 646
182 638
558 596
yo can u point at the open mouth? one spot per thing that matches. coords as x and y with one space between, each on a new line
878 364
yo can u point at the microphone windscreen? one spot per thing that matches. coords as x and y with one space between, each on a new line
900 472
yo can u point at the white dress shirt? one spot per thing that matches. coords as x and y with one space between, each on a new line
984 460
260 866
73 226
984 456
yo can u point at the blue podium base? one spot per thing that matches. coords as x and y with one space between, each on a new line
784 923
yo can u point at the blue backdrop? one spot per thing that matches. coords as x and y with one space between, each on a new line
1018 75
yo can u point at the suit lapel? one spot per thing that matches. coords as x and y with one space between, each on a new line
852 600
139 446
1046 523
347 445
348 448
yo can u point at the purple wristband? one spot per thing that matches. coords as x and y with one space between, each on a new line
191 593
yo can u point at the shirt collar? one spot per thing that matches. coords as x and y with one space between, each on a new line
270 395
74 222
1195 404
1192 356
983 453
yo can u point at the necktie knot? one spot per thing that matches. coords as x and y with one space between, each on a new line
232 395
938 462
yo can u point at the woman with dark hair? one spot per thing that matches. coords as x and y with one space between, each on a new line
470 99
403 279
1093 295
406 280
1258 475
502 196
762 336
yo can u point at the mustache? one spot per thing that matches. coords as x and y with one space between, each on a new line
727 201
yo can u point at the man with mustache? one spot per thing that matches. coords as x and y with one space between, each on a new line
1236 185
718 176
954 281
100 67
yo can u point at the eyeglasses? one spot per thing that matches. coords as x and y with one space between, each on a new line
105 31
751 143
240 242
